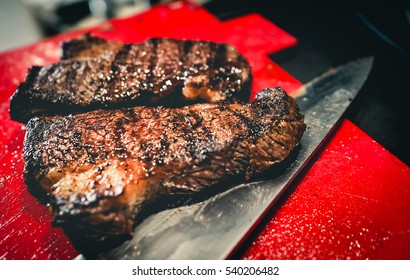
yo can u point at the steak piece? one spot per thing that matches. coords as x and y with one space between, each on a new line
97 74
100 168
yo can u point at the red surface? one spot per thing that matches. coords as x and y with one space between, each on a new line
354 203
25 225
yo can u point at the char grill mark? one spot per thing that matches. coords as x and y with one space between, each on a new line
100 168
97 74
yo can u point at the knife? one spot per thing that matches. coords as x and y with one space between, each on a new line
216 227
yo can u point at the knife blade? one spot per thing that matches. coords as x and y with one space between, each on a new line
214 228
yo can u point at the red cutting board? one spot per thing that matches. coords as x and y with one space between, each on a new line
346 194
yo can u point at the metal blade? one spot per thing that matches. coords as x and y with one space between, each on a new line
212 229
349 77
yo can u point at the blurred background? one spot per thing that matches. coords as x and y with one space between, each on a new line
27 21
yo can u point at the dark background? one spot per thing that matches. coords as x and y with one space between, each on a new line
332 35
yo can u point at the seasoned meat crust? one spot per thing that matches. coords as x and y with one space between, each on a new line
100 168
98 74
88 46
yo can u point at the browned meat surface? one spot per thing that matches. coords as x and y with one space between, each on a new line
88 46
96 74
100 168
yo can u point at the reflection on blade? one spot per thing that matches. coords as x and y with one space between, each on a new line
212 229
348 77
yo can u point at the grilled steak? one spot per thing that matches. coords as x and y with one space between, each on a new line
100 168
96 74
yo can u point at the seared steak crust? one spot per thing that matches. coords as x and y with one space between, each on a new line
88 46
99 168
97 74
